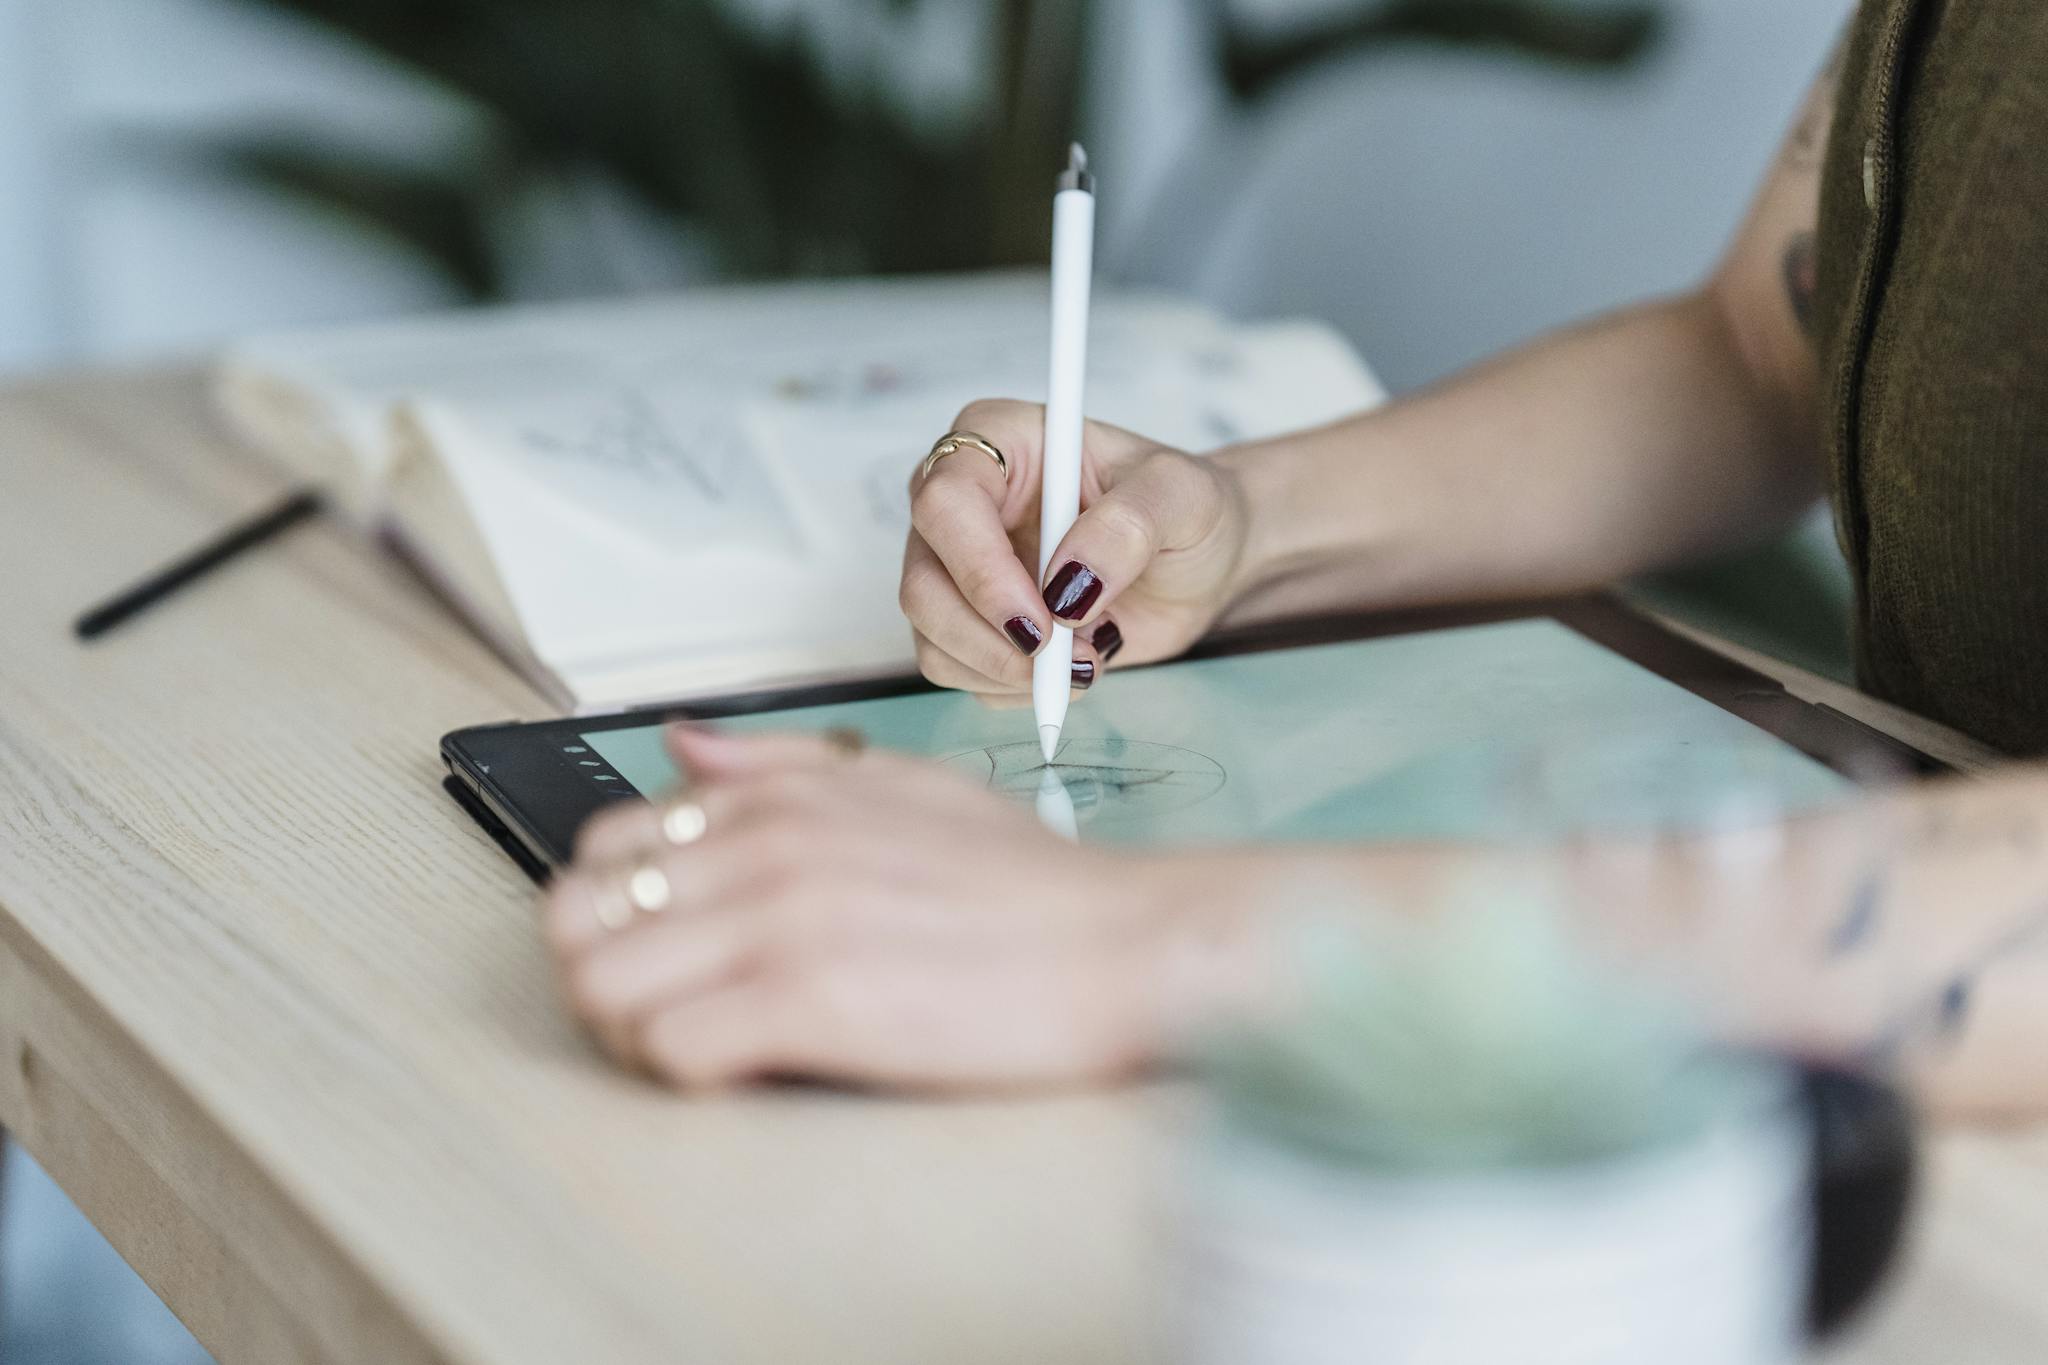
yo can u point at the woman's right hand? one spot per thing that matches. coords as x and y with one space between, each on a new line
1148 567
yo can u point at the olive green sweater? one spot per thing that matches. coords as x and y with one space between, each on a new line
1932 320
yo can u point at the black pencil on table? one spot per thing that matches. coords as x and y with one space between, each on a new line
234 541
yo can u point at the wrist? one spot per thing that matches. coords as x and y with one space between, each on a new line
1259 477
1220 924
1209 944
1319 536
1724 922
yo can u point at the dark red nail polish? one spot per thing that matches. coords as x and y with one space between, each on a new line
1084 673
1107 640
1072 591
1024 633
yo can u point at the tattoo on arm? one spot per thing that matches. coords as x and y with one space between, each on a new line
1802 279
1939 1010
1804 151
1859 922
1954 1007
1808 144
1809 140
1940 1014
1944 832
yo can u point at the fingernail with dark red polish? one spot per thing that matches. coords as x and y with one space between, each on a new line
1072 591
1107 640
1024 633
1084 673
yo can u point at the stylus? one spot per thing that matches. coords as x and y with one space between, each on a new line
237 540
1073 262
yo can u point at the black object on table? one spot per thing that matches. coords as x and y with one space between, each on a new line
236 540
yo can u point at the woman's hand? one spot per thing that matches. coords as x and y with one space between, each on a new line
1145 571
868 919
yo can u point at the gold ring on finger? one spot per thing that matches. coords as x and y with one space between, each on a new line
847 742
954 441
683 822
647 887
613 908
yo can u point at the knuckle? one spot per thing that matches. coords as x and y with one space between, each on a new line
1194 487
1125 521
980 583
922 491
916 588
937 666
925 592
934 498
999 662
1166 462
937 502
1172 476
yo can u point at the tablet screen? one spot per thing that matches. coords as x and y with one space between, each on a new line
1517 728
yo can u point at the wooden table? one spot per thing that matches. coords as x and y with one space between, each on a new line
278 1019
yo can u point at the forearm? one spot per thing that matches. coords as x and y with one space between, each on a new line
1640 440
1908 933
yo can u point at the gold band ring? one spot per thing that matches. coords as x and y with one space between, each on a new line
614 909
956 440
683 822
647 887
644 890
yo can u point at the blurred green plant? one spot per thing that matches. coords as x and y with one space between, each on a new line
747 145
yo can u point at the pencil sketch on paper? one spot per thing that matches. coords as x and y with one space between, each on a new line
1111 779
626 434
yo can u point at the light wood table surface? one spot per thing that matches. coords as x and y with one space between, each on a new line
276 1015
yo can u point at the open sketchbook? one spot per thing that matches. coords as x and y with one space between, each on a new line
671 497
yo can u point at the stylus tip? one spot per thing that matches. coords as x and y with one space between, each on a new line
1048 741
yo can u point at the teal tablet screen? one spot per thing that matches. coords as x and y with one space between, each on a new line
1523 727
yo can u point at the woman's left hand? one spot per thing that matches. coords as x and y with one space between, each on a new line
862 918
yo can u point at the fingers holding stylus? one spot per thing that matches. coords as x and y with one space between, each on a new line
943 669
965 507
957 648
968 518
949 626
957 534
1166 502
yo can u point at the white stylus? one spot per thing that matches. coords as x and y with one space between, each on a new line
1073 263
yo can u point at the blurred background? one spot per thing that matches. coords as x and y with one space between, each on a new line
1437 178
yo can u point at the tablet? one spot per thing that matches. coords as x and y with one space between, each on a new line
1444 725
